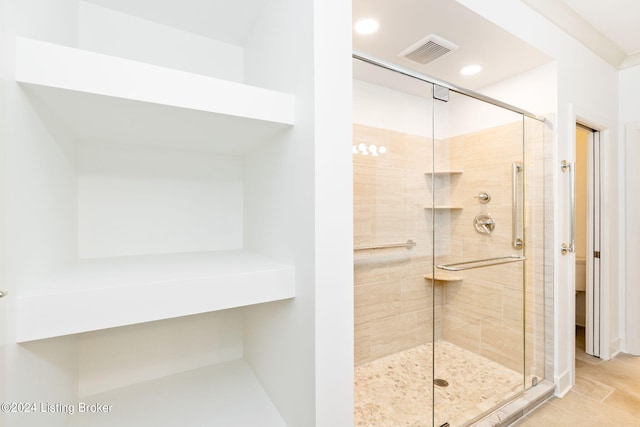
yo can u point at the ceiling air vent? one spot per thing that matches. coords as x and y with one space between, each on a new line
428 49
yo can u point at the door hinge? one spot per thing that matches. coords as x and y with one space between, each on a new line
596 254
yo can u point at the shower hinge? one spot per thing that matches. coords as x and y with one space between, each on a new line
441 93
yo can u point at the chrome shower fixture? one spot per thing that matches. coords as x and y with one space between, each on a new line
484 224
483 197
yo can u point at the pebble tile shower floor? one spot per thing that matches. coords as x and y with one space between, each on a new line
396 390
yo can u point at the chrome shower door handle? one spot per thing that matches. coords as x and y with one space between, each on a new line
571 167
516 242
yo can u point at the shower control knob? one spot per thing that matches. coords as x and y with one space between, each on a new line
483 197
484 224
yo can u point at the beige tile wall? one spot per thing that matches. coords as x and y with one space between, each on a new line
394 304
484 312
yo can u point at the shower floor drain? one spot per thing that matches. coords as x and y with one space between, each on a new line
440 382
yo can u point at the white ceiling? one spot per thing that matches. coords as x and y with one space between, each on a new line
610 28
480 42
618 20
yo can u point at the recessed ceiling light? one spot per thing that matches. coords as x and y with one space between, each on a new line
471 70
366 26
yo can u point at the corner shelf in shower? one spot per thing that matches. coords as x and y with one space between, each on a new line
102 293
444 173
444 208
443 277
103 97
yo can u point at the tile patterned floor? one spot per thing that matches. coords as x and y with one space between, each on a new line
607 393
396 390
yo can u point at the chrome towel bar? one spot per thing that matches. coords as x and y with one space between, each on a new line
408 244
480 263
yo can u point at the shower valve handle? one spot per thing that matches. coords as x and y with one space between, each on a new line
483 197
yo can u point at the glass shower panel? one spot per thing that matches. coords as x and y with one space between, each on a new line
538 264
394 294
478 221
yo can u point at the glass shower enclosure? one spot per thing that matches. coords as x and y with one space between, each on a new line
449 250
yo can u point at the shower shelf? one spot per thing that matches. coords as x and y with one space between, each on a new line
443 277
442 173
444 208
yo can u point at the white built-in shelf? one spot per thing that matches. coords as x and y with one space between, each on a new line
443 277
227 394
444 207
103 293
444 173
102 97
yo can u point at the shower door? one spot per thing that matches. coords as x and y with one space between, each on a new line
477 217
395 299
449 253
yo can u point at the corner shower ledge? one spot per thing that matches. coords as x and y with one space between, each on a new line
443 277
441 173
103 293
444 207
96 96
227 394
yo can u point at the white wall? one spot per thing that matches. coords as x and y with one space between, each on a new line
147 41
119 357
385 108
586 92
630 130
4 74
39 190
53 21
534 91
168 200
298 208
333 211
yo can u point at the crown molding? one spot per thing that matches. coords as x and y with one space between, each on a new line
558 12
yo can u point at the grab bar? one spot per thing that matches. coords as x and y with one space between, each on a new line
571 247
468 265
408 244
516 241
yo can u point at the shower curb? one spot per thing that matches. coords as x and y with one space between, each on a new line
518 408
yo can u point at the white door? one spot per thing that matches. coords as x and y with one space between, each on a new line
593 241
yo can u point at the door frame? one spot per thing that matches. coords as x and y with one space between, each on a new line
564 310
603 317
